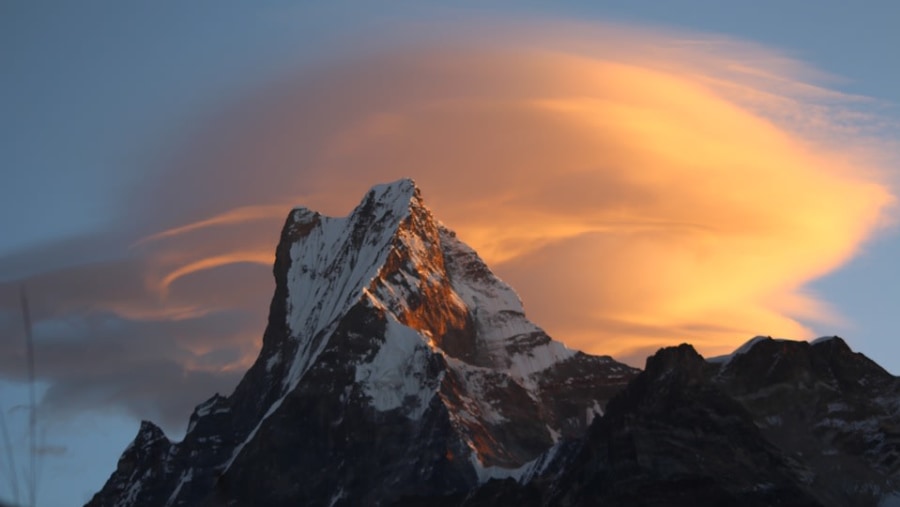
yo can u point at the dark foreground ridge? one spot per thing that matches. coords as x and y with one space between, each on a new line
785 423
396 369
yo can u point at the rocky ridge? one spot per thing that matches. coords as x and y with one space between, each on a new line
777 423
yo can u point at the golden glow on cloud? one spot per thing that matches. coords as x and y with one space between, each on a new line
236 216
674 192
206 263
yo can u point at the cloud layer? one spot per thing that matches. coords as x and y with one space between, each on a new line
681 189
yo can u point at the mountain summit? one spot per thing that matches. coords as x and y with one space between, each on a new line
394 366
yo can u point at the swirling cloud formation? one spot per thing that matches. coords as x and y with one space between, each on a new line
679 188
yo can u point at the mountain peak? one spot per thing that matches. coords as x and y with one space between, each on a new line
403 262
402 190
333 261
387 201
394 363
149 433
682 361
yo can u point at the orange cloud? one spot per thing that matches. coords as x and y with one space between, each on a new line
679 190
206 263
239 215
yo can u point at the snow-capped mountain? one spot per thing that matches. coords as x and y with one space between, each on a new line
394 366
396 369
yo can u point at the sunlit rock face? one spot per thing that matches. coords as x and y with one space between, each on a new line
394 365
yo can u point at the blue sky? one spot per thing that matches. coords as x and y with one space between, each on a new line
100 98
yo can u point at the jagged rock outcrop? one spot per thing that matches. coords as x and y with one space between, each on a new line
394 365
834 409
778 422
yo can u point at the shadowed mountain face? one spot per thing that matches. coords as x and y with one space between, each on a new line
394 365
777 423
396 369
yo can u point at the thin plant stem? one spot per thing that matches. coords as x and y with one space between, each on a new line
10 456
32 417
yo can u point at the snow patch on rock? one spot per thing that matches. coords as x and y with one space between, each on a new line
398 374
524 365
743 349
186 477
497 312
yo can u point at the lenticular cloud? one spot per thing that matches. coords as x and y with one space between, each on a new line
637 189
679 190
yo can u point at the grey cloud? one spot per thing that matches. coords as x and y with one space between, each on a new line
51 450
154 366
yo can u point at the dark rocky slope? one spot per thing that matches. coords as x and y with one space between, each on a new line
778 423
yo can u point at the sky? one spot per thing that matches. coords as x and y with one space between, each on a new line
643 174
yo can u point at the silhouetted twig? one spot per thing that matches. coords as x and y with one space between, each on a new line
10 456
32 477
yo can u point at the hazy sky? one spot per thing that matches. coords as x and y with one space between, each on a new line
642 175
